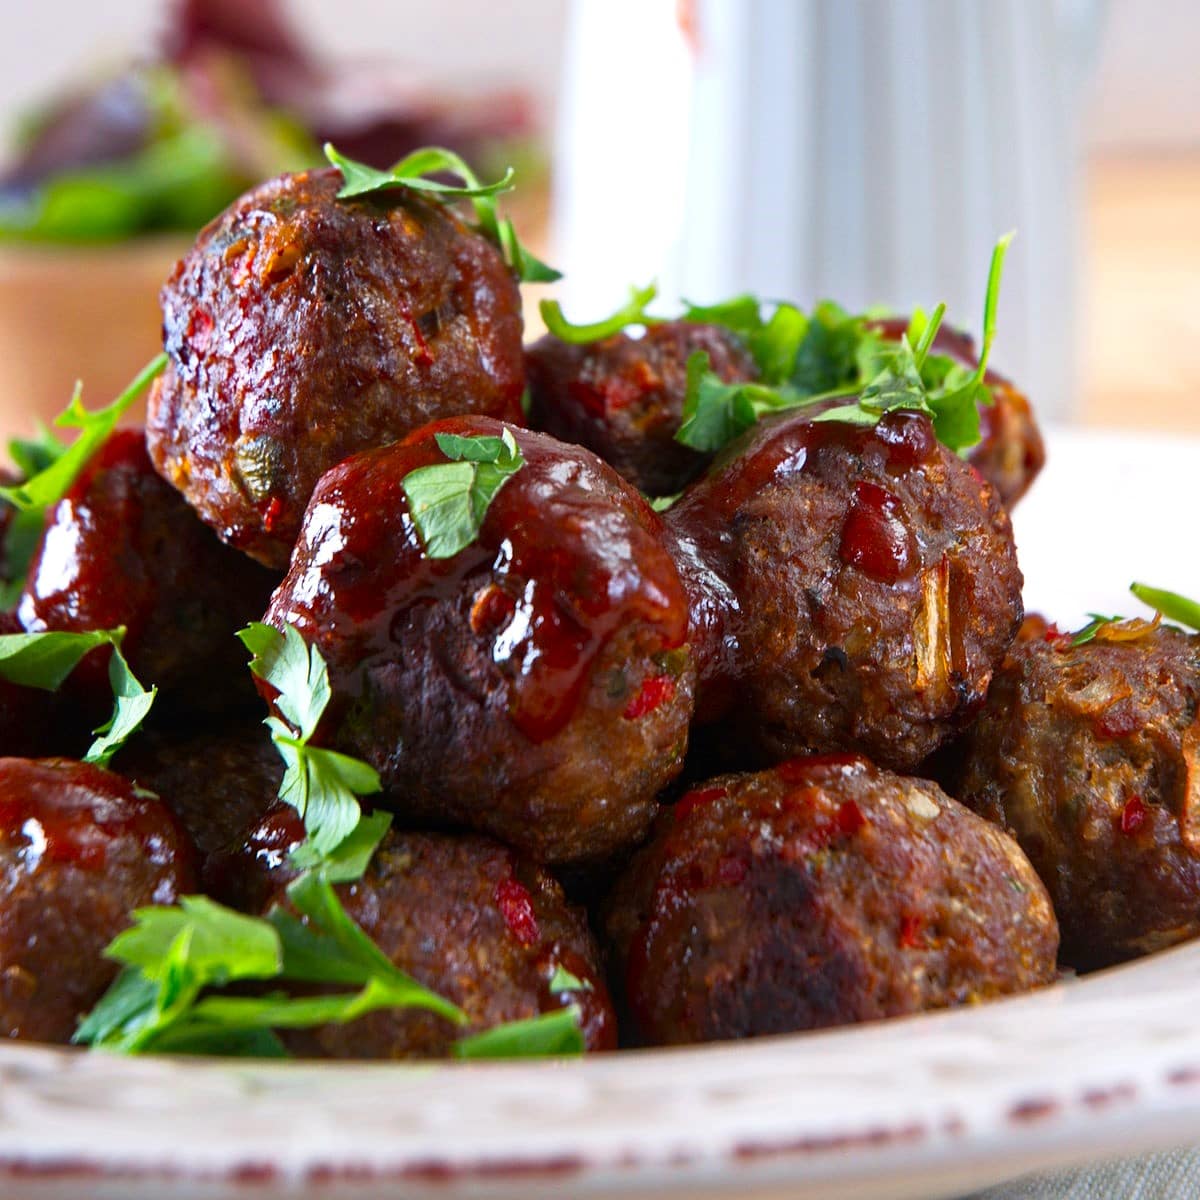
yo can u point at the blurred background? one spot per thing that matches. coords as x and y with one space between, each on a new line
868 150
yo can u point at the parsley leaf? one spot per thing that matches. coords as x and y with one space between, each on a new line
322 785
50 484
633 312
1172 605
177 958
552 1033
44 660
413 171
563 981
448 501
715 412
1096 622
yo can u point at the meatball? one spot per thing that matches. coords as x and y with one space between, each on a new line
1011 453
623 397
122 548
302 328
473 922
80 849
853 588
215 782
820 893
537 686
1089 755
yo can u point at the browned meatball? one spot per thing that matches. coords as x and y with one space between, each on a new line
821 893
853 588
470 920
122 548
216 783
35 722
302 328
1088 754
537 685
623 397
79 851
1011 454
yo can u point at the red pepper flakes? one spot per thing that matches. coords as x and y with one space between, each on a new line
516 906
273 513
731 870
1133 815
847 821
492 610
1118 721
911 928
656 690
697 799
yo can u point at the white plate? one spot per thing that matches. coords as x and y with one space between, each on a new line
921 1107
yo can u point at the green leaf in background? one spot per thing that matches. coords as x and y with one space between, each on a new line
449 501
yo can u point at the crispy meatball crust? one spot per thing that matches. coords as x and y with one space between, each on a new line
122 548
853 588
623 397
1090 755
537 685
820 893
480 926
79 851
302 328
1011 453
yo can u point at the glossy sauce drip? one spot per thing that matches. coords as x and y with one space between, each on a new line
566 558
874 537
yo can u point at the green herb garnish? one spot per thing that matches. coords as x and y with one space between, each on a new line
1172 605
551 1034
633 312
44 660
805 359
448 501
1096 622
321 785
52 467
413 172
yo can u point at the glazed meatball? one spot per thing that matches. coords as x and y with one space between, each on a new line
215 782
820 893
467 918
302 328
122 548
1088 754
623 397
537 686
79 851
853 588
1011 454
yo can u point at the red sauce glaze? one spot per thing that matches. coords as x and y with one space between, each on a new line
656 690
911 932
72 813
874 537
568 555
696 798
516 906
813 768
1133 815
703 520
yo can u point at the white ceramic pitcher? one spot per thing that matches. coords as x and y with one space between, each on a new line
867 150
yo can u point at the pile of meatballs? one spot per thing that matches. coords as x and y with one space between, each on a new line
782 757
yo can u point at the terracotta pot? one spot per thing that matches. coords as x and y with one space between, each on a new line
77 312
